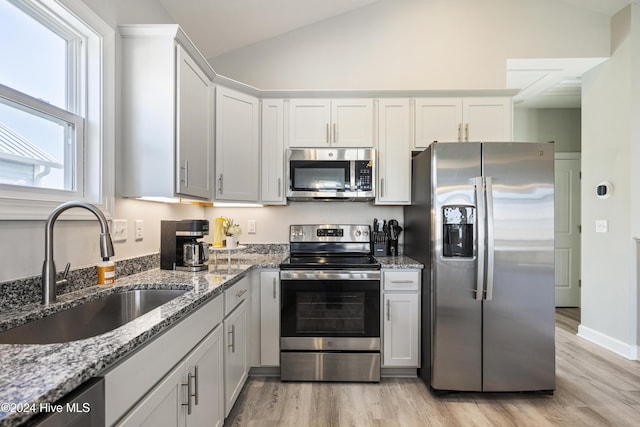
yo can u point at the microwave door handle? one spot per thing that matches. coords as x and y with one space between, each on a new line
480 237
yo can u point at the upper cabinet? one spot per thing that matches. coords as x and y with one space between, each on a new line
394 152
331 123
237 146
272 152
166 147
462 119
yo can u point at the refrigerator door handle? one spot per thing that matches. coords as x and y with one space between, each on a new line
490 238
480 238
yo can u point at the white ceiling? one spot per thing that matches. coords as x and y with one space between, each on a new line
221 26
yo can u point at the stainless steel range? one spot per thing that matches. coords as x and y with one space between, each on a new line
330 305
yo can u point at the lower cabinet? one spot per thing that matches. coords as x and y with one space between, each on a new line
401 319
270 318
236 360
190 395
236 340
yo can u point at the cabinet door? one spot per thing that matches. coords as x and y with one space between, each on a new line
487 119
270 318
193 129
309 122
236 360
206 365
437 119
352 123
394 152
401 330
272 181
236 146
161 407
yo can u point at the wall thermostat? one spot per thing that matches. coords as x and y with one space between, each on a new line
604 190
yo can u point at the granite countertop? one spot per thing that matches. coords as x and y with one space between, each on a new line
44 373
399 262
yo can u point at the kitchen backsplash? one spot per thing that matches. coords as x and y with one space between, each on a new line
20 292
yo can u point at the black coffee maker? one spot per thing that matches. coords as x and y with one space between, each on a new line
179 245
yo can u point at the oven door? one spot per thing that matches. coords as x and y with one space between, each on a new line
330 310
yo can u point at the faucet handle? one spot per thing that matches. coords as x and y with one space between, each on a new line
63 281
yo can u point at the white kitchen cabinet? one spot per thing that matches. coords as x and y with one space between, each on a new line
270 318
166 148
236 341
394 152
462 119
160 368
343 123
401 319
237 146
272 152
190 395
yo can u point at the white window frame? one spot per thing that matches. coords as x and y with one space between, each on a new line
95 103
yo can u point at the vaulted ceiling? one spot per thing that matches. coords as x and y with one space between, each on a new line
221 26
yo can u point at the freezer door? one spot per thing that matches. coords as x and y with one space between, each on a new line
456 316
518 315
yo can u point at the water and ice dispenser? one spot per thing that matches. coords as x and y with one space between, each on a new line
457 231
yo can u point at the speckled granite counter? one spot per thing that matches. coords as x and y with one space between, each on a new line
34 374
399 262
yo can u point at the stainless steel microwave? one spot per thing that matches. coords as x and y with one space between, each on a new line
331 174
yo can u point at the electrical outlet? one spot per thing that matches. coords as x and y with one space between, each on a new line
118 230
139 229
251 226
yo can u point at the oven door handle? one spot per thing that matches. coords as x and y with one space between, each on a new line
330 275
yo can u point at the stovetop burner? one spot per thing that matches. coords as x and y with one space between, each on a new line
349 262
330 247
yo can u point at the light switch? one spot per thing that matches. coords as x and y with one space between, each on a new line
118 230
251 226
602 226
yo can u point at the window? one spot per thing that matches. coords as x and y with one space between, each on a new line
56 107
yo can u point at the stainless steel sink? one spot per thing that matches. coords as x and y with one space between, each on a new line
90 318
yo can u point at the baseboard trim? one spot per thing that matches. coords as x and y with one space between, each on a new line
623 349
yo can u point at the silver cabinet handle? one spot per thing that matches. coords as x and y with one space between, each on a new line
466 132
480 237
459 132
274 288
220 184
185 174
327 131
402 281
381 187
389 310
335 133
240 293
490 235
279 187
189 394
231 333
195 381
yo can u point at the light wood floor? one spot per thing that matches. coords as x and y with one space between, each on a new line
594 387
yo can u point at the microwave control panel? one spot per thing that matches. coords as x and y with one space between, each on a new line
364 175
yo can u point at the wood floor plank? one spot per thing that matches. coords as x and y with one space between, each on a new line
594 387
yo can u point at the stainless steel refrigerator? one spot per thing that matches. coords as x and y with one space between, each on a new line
482 222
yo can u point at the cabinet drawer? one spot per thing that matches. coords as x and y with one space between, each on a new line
236 294
401 280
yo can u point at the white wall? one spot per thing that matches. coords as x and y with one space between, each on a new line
272 223
561 125
610 103
418 44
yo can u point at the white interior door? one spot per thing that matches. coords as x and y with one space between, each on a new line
567 235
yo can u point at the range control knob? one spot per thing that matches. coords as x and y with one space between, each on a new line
358 233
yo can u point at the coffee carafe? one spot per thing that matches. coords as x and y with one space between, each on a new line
180 248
